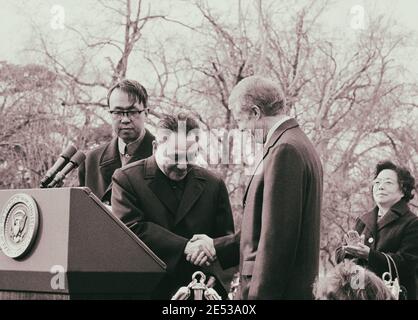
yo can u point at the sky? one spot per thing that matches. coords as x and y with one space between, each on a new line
17 16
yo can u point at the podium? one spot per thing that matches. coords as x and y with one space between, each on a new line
77 250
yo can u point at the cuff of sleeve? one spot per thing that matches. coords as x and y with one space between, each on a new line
376 260
227 251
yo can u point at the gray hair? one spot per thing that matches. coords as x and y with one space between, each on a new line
259 91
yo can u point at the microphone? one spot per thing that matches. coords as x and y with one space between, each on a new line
58 165
74 162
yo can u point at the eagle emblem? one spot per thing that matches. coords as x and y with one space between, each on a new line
18 226
19 221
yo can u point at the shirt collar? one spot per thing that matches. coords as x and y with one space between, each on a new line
275 126
130 146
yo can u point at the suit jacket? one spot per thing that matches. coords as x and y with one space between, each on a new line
96 172
279 248
395 234
143 199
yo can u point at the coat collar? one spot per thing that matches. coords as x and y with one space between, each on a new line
142 150
111 155
275 126
395 212
110 158
194 187
132 146
108 163
288 124
369 219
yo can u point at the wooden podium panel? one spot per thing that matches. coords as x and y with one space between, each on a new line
80 251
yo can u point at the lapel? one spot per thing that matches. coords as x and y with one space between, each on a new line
289 124
159 185
109 162
369 220
395 212
144 148
194 186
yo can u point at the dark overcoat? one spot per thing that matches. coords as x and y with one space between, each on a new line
279 247
143 199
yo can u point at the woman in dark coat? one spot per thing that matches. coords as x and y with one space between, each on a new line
390 228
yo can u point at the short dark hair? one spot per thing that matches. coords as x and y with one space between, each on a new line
171 122
135 91
405 179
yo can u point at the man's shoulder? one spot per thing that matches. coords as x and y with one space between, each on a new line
287 146
132 169
148 135
98 150
296 141
134 165
295 137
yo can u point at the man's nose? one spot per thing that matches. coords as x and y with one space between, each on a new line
125 119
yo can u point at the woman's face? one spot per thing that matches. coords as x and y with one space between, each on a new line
386 189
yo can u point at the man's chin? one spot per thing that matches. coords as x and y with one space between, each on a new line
177 177
128 135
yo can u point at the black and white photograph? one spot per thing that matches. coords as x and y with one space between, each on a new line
228 151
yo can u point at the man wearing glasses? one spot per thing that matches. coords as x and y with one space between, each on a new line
127 101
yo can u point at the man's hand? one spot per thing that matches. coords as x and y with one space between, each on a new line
207 243
200 250
197 254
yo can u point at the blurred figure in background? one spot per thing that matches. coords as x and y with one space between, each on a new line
390 228
348 281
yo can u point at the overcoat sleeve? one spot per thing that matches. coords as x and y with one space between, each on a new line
82 174
166 245
227 242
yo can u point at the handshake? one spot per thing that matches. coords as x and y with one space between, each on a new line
200 250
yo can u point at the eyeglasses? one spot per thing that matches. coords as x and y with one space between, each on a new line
116 114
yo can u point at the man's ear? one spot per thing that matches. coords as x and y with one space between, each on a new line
255 110
154 146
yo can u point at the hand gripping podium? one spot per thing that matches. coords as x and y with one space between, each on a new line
71 248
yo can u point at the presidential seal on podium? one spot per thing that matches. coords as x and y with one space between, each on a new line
19 222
